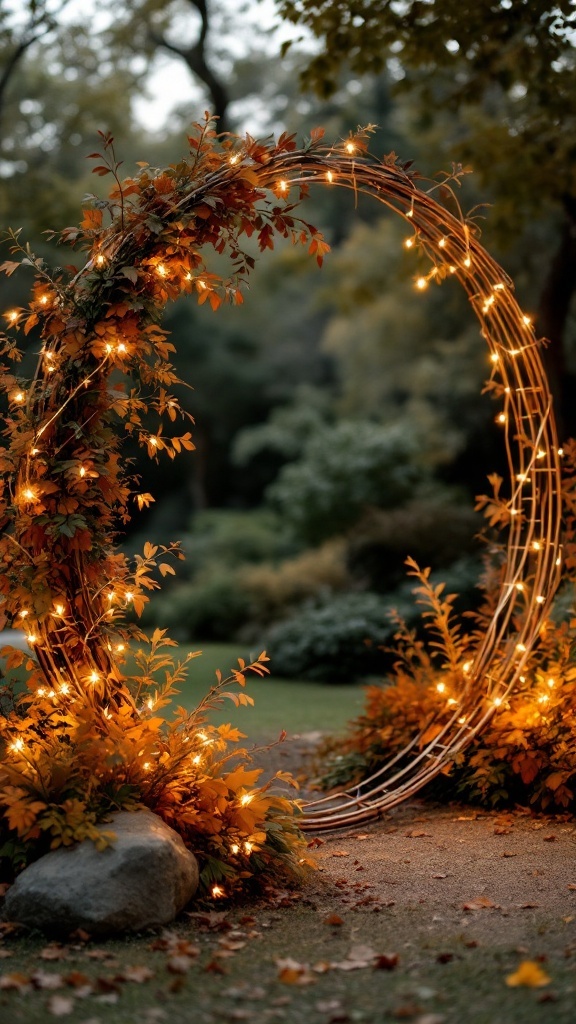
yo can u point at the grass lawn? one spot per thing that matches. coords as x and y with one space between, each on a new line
293 705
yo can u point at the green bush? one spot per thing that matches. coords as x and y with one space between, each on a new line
335 641
344 469
212 607
274 589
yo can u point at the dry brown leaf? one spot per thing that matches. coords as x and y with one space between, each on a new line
76 979
179 964
481 903
340 853
16 982
334 919
417 834
439 875
54 952
291 972
549 839
501 830
60 1006
138 974
571 885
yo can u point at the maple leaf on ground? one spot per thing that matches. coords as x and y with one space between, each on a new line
528 975
290 972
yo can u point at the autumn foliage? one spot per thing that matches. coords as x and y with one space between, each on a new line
526 753
88 734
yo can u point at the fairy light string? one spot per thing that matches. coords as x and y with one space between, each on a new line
102 350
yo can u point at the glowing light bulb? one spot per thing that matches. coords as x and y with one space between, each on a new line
93 677
499 287
32 638
520 647
41 691
494 357
466 666
100 260
519 586
12 315
108 348
282 185
350 147
410 213
196 759
34 451
201 284
543 699
120 648
19 397
43 299
501 418
246 799
217 891
29 494
329 176
234 159
161 270
442 243
421 283
467 262
234 848
527 321
82 471
24 613
248 847
560 452
541 454
540 599
17 745
408 243
146 766
551 683
462 720
65 689
451 701
122 347
58 609
150 703
497 702
440 687
452 268
129 595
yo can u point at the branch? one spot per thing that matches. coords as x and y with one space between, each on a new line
195 58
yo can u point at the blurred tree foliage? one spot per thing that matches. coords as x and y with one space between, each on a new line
504 72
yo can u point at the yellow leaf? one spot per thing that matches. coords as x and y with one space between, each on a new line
528 975
166 569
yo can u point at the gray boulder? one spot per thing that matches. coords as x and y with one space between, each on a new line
143 880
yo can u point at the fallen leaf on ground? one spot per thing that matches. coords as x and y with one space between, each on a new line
439 875
179 964
290 972
340 853
137 974
60 1006
529 975
44 980
315 842
334 919
571 885
386 961
363 835
55 952
14 982
416 834
508 853
501 830
480 903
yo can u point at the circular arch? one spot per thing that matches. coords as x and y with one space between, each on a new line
104 319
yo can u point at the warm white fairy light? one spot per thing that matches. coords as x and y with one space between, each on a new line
161 270
217 891
421 283
441 687
329 177
129 595
234 849
408 243
59 608
282 185
94 677
246 798
17 746
100 260
350 148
